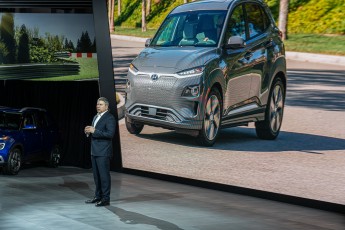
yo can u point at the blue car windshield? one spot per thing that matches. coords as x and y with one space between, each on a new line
10 121
196 28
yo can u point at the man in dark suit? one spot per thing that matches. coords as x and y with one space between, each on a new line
101 132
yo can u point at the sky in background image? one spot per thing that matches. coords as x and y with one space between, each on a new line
70 26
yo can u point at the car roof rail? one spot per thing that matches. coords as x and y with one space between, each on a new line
32 108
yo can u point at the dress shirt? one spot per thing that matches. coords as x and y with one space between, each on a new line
97 118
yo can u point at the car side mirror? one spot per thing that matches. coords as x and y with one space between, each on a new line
235 42
148 42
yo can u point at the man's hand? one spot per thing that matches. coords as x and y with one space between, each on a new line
89 129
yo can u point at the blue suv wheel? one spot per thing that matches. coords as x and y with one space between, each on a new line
14 162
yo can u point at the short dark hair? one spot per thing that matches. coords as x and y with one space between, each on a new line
104 99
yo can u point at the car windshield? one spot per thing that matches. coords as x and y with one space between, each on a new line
197 28
9 121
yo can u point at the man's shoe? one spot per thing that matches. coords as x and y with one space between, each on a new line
92 201
103 203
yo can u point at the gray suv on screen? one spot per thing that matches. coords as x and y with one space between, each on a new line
211 64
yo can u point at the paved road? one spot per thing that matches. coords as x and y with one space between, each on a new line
307 160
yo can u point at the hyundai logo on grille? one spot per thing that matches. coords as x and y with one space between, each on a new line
154 77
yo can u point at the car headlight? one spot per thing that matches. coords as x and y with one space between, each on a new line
133 69
191 91
4 138
2 146
194 71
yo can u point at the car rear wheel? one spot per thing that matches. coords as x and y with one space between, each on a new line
14 162
212 118
55 156
270 127
133 128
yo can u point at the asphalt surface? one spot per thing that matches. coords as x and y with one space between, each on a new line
307 160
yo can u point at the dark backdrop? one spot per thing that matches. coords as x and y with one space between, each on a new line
72 104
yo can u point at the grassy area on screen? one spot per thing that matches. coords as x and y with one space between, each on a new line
88 70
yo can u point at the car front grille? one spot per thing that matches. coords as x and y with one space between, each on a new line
160 114
154 113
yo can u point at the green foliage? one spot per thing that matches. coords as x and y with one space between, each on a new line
305 16
7 37
131 13
41 54
274 7
318 16
3 52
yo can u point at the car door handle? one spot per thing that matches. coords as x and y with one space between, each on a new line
248 55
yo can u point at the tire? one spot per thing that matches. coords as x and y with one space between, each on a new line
269 128
133 128
14 162
212 119
54 158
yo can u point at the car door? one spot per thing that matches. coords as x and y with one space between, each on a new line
238 61
259 45
49 134
32 137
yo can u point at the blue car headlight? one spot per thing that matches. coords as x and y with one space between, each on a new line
4 138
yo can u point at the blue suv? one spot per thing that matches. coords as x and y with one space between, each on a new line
27 135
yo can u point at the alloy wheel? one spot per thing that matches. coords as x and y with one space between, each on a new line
15 161
212 117
55 157
276 108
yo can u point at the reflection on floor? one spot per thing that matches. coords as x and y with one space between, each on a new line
44 198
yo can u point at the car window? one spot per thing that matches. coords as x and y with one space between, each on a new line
9 121
28 120
236 24
40 120
196 28
169 33
255 19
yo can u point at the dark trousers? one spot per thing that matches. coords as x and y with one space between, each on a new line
101 175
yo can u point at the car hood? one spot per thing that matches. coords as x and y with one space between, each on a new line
9 133
173 59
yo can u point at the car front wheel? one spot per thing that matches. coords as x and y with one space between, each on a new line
212 118
55 156
270 127
133 128
14 162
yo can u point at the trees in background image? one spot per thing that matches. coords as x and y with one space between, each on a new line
7 38
23 46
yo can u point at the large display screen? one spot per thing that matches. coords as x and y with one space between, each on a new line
47 44
48 60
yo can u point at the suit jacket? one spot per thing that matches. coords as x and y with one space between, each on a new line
101 139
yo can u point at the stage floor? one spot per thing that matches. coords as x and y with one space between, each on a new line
45 198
